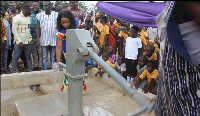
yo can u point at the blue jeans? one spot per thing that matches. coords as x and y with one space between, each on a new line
5 58
45 56
17 54
36 54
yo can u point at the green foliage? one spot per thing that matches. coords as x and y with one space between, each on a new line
58 3
54 4
82 5
5 4
97 10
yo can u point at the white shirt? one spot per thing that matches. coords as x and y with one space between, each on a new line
131 47
21 30
121 67
48 25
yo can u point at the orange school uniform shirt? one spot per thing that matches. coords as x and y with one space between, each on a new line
149 76
116 24
153 56
104 32
109 63
123 34
156 48
143 40
143 33
99 27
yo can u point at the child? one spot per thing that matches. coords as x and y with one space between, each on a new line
65 21
112 57
151 73
157 44
87 25
100 52
103 37
123 34
95 65
112 35
133 45
97 29
120 65
105 57
89 63
142 35
149 52
142 65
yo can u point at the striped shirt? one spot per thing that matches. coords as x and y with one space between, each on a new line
178 79
48 25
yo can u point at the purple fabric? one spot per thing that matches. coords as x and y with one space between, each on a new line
136 13
112 58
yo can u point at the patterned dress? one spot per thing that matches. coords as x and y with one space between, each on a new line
178 80
62 33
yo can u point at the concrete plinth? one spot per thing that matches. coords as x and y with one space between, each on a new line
25 79
99 100
55 105
104 97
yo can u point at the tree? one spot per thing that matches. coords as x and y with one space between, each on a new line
55 4
82 5
5 4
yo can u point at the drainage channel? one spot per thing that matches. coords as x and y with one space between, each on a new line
36 90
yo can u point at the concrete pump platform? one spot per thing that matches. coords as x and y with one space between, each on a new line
104 97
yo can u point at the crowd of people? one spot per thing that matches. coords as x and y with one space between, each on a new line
32 34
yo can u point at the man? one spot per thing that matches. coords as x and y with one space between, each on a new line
23 58
36 52
8 33
22 37
18 5
46 33
8 10
59 8
3 40
78 12
12 14
178 81
65 7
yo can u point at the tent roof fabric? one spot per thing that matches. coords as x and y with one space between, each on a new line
136 13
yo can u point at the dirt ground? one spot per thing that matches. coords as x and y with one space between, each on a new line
20 65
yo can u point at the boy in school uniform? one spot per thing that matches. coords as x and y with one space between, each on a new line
151 73
105 57
149 52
